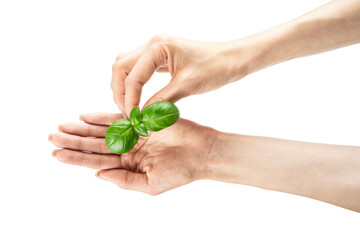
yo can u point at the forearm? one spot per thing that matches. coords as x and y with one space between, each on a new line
329 173
331 26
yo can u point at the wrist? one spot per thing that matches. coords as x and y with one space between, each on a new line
261 50
225 161
238 59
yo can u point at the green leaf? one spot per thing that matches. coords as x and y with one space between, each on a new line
141 130
135 116
159 115
121 136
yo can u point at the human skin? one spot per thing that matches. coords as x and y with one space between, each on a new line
197 67
187 151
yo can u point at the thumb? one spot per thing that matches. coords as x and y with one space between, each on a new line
126 179
170 93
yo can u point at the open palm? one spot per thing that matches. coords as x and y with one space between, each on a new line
167 159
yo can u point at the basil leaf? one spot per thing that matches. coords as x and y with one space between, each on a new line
135 116
141 130
159 115
121 136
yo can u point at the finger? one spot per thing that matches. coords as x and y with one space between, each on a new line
120 70
90 160
122 55
117 84
153 58
101 118
83 129
64 140
126 179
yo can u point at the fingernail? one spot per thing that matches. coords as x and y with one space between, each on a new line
81 117
50 137
60 128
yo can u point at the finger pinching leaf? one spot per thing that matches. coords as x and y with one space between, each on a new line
123 134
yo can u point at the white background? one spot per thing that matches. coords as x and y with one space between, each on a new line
55 63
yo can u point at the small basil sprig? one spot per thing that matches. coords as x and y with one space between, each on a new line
123 134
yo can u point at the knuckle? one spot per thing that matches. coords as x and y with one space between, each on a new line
156 38
131 83
160 39
79 143
155 47
104 148
101 163
118 65
88 129
120 56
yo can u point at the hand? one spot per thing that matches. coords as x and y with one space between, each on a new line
198 67
165 160
195 67
187 151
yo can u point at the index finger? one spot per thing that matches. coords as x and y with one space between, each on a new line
153 58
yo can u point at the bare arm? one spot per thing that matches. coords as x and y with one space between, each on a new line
187 151
329 173
198 67
334 25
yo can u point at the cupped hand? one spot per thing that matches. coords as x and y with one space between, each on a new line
165 160
195 67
